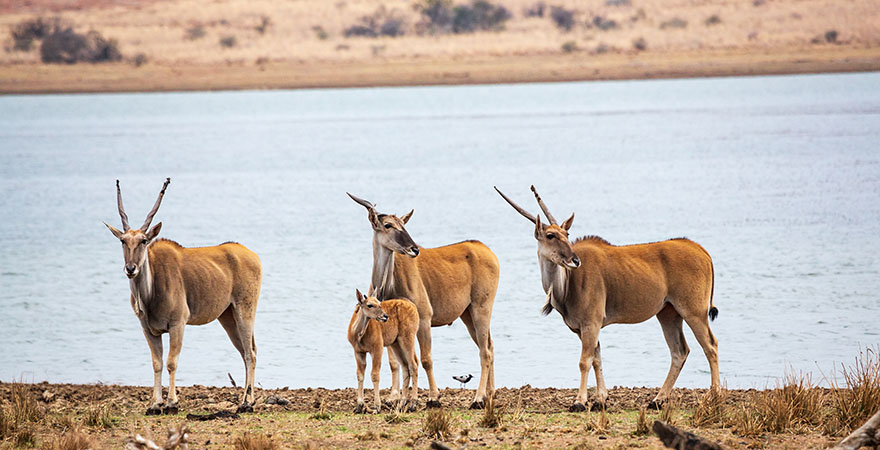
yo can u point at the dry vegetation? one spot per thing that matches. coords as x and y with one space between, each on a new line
283 42
794 414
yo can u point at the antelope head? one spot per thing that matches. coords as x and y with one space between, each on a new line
371 306
389 231
134 242
553 243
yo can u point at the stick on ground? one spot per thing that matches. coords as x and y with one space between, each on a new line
672 437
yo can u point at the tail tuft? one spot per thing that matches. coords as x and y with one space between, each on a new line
713 313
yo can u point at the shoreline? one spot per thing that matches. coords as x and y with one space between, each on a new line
29 78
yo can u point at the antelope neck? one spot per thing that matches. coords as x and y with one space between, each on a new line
382 278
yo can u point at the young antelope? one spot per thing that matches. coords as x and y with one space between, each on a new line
394 325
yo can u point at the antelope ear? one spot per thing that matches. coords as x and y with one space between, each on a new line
374 219
115 232
406 218
567 224
154 231
360 296
539 229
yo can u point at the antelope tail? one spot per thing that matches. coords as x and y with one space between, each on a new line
713 311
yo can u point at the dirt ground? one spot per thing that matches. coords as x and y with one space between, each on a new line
316 417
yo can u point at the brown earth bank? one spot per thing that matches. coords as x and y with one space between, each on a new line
107 416
172 45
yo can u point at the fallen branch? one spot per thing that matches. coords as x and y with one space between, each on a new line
672 437
868 434
177 440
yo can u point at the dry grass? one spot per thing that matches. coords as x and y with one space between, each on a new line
248 441
492 416
99 416
597 423
710 409
73 439
642 426
859 397
671 409
322 413
437 424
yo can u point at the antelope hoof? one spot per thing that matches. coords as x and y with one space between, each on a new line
478 405
359 409
597 406
656 404
577 407
245 408
170 410
154 410
433 404
376 409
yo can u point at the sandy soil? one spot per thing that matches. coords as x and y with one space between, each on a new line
531 418
304 44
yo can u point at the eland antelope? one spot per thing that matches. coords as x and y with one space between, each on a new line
593 284
174 286
393 325
445 283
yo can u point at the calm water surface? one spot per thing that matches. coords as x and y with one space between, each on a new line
777 177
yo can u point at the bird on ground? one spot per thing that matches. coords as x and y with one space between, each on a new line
463 379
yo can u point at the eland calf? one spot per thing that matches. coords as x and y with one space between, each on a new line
397 330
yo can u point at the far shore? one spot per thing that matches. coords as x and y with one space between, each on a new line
35 78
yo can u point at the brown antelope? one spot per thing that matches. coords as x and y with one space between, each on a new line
399 322
593 284
173 286
445 283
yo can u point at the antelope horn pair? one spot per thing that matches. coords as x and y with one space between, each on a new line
524 212
124 217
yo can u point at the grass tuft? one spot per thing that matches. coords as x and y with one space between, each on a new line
854 402
597 425
73 439
642 427
437 424
710 408
322 413
492 417
248 441
99 416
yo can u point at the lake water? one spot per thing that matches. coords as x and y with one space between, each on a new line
777 177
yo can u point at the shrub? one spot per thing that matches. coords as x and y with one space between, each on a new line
640 44
380 23
195 32
436 16
25 33
139 60
563 18
569 47
228 41
603 23
536 10
713 20
674 22
479 15
264 24
831 36
69 47
320 32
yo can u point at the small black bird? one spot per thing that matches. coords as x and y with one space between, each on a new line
463 379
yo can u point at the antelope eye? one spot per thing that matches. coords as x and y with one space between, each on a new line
145 241
550 236
123 241
369 306
387 225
